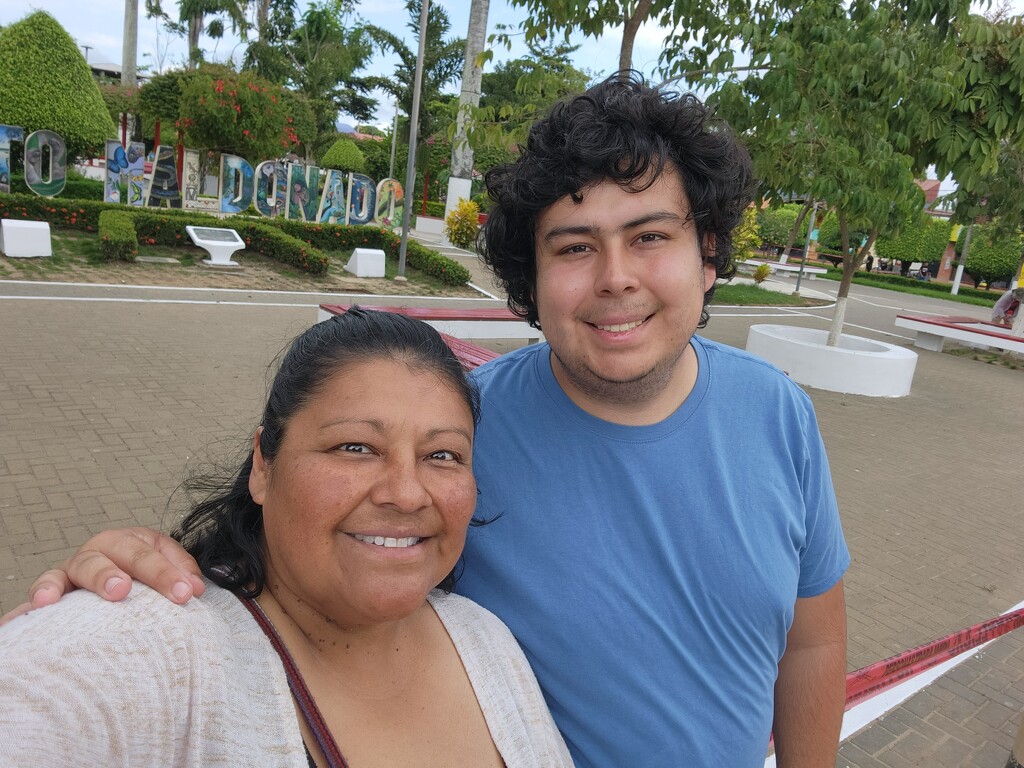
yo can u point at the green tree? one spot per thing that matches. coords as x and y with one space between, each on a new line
746 236
774 224
46 84
922 240
834 105
319 59
224 111
344 155
442 62
994 253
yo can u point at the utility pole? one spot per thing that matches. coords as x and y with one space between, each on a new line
414 124
87 48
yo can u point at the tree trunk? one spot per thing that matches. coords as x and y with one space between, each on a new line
130 47
195 27
851 263
794 229
261 16
472 76
629 29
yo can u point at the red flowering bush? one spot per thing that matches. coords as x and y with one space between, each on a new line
240 113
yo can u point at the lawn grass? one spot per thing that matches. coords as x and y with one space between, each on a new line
747 295
75 252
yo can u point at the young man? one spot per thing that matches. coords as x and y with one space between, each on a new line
675 610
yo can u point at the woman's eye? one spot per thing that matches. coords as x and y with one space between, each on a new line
445 456
355 448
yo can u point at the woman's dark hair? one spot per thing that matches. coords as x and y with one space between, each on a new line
624 131
224 529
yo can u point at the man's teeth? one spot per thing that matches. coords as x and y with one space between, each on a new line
621 327
388 541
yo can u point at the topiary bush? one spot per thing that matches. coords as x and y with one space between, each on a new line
344 155
462 224
117 235
46 84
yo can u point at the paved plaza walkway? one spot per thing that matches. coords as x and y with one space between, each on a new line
108 394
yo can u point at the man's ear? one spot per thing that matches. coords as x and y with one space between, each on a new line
259 475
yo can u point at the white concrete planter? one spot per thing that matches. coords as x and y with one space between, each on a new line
429 225
856 366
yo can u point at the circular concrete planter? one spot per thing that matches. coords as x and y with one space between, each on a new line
856 366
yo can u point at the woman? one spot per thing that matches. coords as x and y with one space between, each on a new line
321 638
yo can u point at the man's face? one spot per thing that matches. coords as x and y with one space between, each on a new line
619 292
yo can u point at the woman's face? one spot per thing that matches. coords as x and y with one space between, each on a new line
366 504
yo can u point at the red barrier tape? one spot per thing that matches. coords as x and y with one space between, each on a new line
875 678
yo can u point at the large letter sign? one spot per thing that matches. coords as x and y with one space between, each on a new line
273 187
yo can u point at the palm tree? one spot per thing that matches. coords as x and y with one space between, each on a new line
442 62
472 76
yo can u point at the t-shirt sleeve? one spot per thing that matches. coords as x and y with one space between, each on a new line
824 557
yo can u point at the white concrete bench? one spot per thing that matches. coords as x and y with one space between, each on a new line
25 239
933 330
787 269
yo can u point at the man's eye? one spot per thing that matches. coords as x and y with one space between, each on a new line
650 237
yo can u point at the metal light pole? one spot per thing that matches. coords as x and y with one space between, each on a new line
414 119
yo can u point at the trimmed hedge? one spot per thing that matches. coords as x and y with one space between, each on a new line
338 237
117 236
81 215
286 240
75 187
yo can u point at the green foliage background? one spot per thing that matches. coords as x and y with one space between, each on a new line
344 155
993 254
46 84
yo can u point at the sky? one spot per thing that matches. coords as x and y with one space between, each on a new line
98 24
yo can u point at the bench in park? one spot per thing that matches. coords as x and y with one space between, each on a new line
787 269
495 323
468 353
933 330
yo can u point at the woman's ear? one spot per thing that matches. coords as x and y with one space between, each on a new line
259 475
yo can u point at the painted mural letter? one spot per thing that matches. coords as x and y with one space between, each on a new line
126 166
46 163
271 188
163 189
236 184
8 133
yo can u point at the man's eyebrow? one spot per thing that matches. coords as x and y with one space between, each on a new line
591 230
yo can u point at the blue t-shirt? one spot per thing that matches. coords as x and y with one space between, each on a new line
650 573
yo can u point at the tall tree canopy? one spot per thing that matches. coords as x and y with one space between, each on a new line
848 103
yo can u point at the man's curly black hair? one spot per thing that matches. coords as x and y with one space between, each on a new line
625 131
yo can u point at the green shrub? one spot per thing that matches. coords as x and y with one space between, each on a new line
62 213
118 241
76 186
338 237
462 224
745 237
761 273
434 208
344 155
